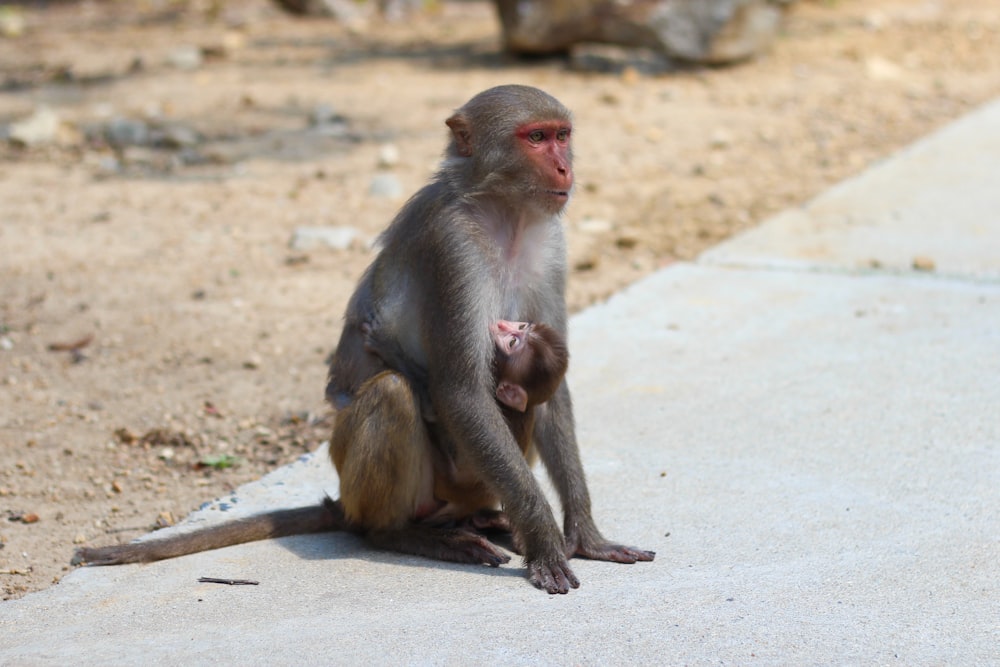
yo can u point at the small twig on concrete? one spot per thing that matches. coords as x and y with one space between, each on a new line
230 582
72 346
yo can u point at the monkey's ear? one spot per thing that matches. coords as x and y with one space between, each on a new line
463 136
512 395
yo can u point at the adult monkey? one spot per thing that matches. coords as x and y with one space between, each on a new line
482 242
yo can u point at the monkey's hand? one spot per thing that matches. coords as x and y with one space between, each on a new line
590 544
552 576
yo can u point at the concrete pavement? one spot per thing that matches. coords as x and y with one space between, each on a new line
802 426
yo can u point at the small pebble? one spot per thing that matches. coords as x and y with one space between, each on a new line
338 238
185 57
386 186
388 156
41 127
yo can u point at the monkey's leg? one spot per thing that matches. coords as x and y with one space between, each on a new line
382 452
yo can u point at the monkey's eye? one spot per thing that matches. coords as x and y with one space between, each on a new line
514 340
536 136
522 326
562 135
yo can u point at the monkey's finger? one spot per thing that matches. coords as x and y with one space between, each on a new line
552 578
615 553
642 554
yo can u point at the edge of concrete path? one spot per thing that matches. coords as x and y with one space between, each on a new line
929 208
727 325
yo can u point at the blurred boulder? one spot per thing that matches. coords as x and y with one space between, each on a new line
43 127
708 32
341 10
351 10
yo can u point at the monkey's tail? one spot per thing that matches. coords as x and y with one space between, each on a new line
328 516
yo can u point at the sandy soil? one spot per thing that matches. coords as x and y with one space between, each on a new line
208 333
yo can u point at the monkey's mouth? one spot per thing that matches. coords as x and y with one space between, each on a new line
561 194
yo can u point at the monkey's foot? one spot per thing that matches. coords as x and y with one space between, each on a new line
616 553
552 577
455 545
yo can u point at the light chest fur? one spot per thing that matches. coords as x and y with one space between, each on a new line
530 258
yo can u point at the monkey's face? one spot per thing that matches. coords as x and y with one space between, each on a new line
509 337
545 148
514 353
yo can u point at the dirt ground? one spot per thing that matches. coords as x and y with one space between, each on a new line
190 336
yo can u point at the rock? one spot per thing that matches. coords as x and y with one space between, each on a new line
345 11
880 69
388 156
386 186
233 41
923 263
41 127
12 21
595 226
189 155
325 120
323 114
720 139
185 57
121 132
697 31
399 10
104 165
610 58
176 136
141 156
338 238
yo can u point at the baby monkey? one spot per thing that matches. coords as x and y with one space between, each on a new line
529 362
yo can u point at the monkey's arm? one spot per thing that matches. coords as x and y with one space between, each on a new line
555 439
462 390
475 424
328 515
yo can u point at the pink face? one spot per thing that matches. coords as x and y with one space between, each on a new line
511 340
547 146
509 336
